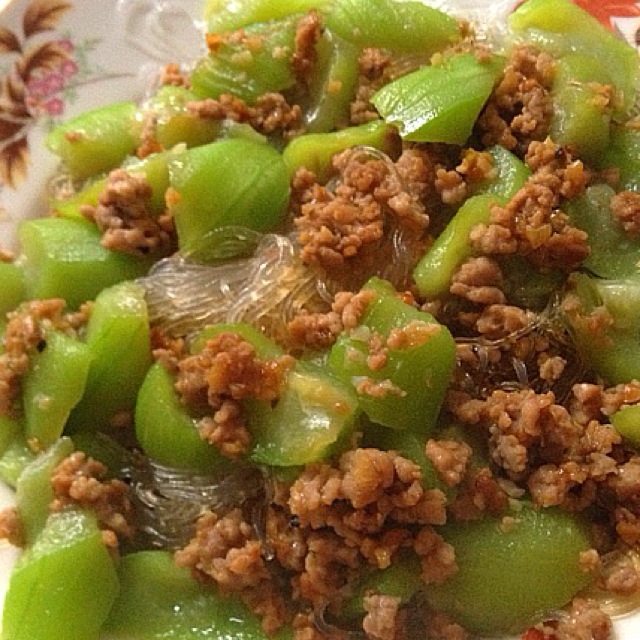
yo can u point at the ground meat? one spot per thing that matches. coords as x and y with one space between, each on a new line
81 481
322 530
6 255
172 75
475 166
125 219
336 226
380 619
449 458
585 621
308 33
479 280
222 374
25 332
480 493
320 330
271 113
11 527
225 549
499 321
440 627
531 223
625 208
373 65
148 139
520 108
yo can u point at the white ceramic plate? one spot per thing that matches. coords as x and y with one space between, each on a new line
61 57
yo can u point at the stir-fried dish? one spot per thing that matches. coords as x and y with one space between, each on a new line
335 335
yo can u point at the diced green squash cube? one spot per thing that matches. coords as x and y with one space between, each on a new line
64 585
53 385
65 259
228 183
34 493
96 141
166 431
439 103
118 338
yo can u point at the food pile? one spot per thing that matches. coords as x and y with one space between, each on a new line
335 334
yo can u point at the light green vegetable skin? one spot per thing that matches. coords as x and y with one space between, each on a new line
211 174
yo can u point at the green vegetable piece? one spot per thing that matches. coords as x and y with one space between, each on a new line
251 66
155 170
34 493
439 103
175 124
581 120
627 423
229 15
15 458
510 175
313 415
509 575
9 429
561 27
613 352
64 585
118 337
614 254
70 207
64 259
12 287
159 600
165 430
232 182
435 269
53 385
96 141
402 579
528 286
315 150
402 27
332 85
414 378
623 154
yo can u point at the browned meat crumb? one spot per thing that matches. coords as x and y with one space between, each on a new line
320 330
479 493
172 75
335 226
148 140
625 207
380 619
167 350
308 32
520 108
271 113
475 166
225 549
479 280
373 66
502 320
531 223
438 626
125 219
11 528
225 372
585 620
25 332
6 255
449 458
80 481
